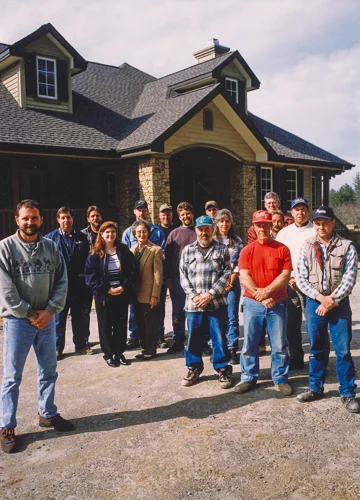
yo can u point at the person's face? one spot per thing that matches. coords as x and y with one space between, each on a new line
262 230
141 234
109 235
277 223
65 222
29 221
300 214
224 225
272 204
166 218
324 228
205 235
141 213
94 220
186 218
211 211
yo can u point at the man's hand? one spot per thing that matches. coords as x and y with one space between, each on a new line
321 310
327 301
116 290
268 303
42 319
153 302
202 300
292 284
260 294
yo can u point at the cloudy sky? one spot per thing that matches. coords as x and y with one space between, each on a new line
306 53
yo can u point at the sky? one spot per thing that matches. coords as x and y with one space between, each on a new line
306 53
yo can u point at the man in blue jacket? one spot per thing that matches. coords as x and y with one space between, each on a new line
74 247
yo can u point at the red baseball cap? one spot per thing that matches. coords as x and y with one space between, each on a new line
261 216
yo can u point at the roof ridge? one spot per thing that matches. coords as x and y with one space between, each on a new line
121 67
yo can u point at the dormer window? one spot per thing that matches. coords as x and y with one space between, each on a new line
46 77
232 87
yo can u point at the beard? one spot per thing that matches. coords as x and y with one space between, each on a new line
205 241
96 226
30 230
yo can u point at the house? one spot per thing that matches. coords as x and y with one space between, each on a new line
78 133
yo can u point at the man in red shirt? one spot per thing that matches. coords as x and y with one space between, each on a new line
265 267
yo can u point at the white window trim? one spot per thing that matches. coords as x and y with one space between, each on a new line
271 178
37 78
227 78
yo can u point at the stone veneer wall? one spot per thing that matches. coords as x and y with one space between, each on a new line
154 183
243 197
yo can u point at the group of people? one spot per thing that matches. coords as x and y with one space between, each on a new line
289 266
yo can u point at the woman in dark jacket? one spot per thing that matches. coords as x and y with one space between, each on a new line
109 273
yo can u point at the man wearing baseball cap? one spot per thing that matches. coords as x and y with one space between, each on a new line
204 273
211 208
326 274
265 267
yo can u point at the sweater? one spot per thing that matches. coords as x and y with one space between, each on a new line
294 237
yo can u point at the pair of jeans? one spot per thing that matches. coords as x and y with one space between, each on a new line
132 324
112 325
161 327
178 298
19 336
199 324
339 322
80 320
147 320
233 299
256 316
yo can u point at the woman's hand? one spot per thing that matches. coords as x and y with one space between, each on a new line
116 290
153 302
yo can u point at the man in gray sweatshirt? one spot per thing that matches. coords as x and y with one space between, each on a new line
33 286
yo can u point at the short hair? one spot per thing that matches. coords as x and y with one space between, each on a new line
271 194
91 209
279 212
64 210
28 203
141 222
184 205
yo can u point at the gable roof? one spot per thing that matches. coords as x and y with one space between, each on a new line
3 46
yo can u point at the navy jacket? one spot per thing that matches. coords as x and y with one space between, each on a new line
95 274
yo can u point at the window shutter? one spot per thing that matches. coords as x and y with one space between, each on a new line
242 94
258 188
300 179
62 80
30 75
276 180
283 189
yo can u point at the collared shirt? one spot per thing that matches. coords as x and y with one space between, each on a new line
205 274
156 236
347 282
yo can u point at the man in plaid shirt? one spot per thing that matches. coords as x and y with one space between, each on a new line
326 274
204 273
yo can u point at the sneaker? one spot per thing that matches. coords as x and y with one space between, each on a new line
120 360
57 422
84 351
308 395
110 362
162 344
284 389
234 358
8 440
351 404
207 351
175 348
225 377
132 344
192 377
262 350
242 387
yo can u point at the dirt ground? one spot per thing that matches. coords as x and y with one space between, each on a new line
141 435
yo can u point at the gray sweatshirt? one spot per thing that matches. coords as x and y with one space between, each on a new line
32 277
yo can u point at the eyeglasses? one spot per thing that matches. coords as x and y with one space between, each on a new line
141 232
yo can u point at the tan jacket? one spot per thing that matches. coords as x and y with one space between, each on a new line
150 273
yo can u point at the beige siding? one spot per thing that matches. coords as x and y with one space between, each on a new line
62 107
232 71
11 79
223 135
45 47
307 183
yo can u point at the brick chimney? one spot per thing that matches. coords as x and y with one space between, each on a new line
213 49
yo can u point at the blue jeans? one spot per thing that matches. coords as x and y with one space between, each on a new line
339 322
200 323
178 297
19 336
132 324
256 316
161 327
233 298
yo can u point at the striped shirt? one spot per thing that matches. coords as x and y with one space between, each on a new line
113 270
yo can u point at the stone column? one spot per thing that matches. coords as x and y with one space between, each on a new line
243 197
154 183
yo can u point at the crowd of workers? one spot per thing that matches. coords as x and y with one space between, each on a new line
289 266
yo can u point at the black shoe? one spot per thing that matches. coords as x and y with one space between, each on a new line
308 395
225 377
175 348
351 404
296 364
234 360
120 360
132 344
57 422
207 351
111 362
161 344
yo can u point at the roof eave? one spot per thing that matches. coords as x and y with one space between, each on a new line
11 147
255 82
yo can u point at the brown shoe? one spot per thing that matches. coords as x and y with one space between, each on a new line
284 389
8 440
58 423
243 387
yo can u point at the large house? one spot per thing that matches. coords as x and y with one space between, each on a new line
78 133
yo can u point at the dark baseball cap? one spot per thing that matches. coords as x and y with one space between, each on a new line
140 204
299 201
323 213
211 203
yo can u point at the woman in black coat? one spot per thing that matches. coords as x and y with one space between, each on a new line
109 273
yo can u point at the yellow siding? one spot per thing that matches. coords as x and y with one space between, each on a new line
223 135
43 46
307 183
62 107
11 79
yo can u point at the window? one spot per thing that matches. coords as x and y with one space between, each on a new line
291 186
208 119
46 77
231 86
266 181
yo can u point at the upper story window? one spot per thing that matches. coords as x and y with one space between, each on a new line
208 119
266 181
232 86
292 186
46 77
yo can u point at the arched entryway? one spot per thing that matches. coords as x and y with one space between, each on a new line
200 174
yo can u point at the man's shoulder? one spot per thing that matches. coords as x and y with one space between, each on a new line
52 235
80 236
86 230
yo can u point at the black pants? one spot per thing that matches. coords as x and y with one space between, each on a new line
147 321
112 324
